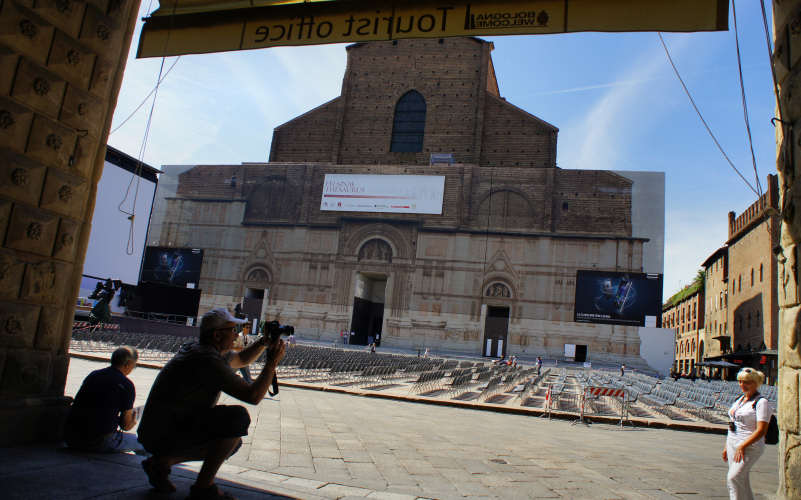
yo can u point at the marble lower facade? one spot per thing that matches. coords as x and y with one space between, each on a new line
449 292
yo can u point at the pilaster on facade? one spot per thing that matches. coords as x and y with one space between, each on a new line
786 17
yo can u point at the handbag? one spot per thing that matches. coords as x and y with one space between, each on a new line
772 436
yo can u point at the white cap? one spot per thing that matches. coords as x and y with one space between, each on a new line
218 317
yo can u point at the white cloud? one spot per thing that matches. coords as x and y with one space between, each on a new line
693 235
618 116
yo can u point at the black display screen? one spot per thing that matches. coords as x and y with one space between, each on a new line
617 298
172 266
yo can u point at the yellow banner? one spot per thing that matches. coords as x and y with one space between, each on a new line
198 26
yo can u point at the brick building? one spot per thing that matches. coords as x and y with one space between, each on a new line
753 282
494 272
716 340
740 309
684 313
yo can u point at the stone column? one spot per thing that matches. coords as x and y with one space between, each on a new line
61 65
787 57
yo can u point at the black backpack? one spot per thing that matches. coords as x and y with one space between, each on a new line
772 436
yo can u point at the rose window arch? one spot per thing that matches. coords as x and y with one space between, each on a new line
376 249
257 275
498 290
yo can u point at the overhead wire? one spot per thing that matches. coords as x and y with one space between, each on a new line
701 116
130 247
146 97
137 175
744 100
787 128
770 59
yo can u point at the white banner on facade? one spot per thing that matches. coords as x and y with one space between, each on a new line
398 194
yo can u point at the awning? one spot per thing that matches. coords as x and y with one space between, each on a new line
200 26
717 364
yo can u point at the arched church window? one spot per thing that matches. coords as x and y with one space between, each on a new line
409 124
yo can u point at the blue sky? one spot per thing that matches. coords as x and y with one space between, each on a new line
614 98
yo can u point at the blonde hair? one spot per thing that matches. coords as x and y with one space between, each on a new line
751 375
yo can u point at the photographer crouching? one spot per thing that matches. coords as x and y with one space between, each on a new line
182 421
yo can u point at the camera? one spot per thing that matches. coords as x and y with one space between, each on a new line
273 330
732 426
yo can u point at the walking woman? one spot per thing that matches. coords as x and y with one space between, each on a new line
748 422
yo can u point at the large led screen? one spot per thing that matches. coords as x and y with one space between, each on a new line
617 298
172 266
397 194
115 251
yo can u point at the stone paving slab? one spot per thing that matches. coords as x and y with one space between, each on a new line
48 472
409 450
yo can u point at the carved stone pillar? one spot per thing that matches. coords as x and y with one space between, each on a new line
61 65
787 59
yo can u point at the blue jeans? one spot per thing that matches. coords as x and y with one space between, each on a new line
114 442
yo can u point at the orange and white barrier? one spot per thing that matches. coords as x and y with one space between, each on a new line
606 391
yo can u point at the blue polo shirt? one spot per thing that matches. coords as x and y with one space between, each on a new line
96 411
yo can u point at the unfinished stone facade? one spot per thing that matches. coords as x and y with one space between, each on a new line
61 65
513 231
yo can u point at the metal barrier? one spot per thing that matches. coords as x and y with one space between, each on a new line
591 399
559 397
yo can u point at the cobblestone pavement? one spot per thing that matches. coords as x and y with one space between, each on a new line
338 445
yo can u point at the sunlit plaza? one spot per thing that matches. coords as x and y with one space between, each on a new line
333 445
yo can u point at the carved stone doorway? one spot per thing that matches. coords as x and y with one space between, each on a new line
368 308
253 302
496 331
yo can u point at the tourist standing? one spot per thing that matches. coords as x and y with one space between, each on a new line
539 365
245 370
749 417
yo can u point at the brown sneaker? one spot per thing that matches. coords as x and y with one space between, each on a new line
158 476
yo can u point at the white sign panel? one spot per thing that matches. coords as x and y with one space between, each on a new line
398 194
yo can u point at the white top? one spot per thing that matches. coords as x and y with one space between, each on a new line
745 417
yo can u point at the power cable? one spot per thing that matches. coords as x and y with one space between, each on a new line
770 59
787 128
745 102
698 111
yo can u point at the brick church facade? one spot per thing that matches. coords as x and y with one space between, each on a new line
493 273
